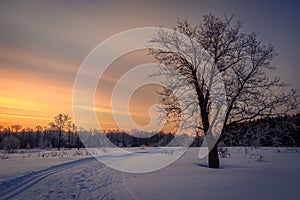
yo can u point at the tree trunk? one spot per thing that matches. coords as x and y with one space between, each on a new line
59 140
213 157
70 139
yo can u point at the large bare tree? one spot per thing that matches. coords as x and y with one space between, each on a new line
244 63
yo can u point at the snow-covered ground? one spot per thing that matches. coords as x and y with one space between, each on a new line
28 160
266 173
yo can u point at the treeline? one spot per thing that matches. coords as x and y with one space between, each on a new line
48 138
278 131
26 138
271 131
66 135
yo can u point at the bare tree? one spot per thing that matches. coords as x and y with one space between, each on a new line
72 130
1 128
10 143
60 124
244 63
16 128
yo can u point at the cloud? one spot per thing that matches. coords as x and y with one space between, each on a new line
15 115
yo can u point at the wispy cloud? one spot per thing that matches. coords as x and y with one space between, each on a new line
26 116
104 110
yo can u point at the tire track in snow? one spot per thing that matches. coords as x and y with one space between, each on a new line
16 186
81 179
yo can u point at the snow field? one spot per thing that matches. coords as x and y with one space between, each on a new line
246 173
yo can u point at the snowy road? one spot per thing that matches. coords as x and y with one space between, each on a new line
81 179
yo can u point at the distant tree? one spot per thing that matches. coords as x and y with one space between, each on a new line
38 136
16 128
60 125
242 60
1 133
1 128
39 128
10 143
72 130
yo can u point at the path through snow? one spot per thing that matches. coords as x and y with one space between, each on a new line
81 179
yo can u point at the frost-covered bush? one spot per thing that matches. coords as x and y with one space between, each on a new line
10 143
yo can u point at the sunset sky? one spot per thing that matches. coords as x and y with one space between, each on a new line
43 43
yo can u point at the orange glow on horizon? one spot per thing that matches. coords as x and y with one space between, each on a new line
32 95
